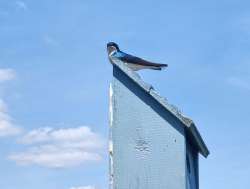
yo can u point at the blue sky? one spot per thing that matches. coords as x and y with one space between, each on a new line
54 78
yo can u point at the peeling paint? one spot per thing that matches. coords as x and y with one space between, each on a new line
111 147
142 145
110 105
111 171
111 166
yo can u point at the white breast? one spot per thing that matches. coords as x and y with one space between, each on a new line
136 67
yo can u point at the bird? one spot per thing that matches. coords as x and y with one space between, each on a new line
133 62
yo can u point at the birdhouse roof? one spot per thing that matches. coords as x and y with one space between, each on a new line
192 132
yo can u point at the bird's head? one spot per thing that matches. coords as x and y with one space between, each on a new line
111 47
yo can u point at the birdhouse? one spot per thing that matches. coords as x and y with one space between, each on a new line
152 145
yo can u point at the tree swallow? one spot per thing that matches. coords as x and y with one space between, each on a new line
132 62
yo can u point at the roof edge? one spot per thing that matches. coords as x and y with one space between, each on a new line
199 141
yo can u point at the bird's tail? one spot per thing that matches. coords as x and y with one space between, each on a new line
159 67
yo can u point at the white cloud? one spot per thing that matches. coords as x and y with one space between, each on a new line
54 157
84 187
243 83
58 148
6 75
7 128
21 5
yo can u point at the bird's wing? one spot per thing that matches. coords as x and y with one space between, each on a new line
136 60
